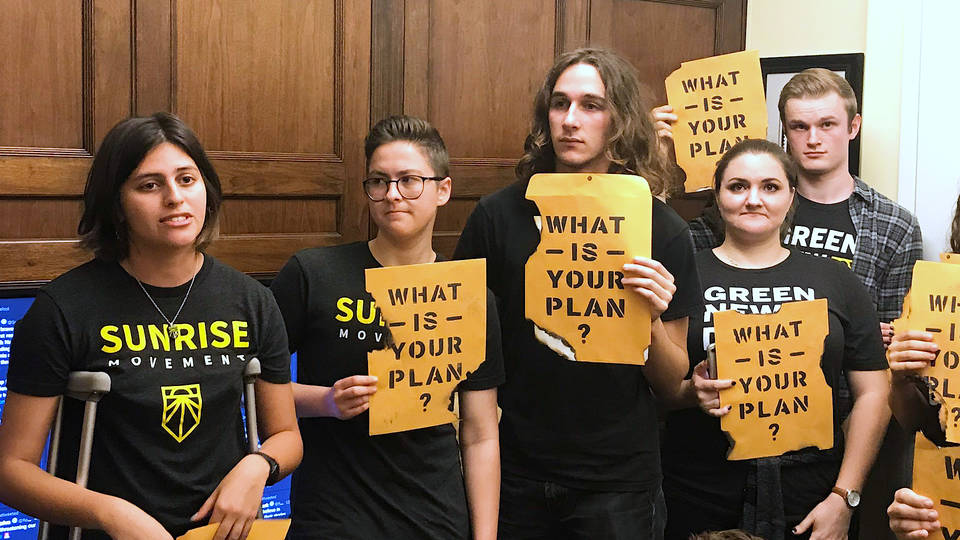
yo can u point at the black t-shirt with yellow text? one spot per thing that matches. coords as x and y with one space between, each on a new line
405 485
170 429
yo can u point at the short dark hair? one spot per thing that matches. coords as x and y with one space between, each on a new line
751 146
415 131
633 146
103 226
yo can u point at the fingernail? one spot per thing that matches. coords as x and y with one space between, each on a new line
794 530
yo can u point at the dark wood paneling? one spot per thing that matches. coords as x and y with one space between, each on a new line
258 75
279 216
41 74
282 93
30 218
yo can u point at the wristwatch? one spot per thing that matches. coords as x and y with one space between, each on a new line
274 476
850 496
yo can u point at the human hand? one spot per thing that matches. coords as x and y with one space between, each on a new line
886 333
912 515
128 522
911 351
350 396
829 520
708 391
663 120
236 501
648 278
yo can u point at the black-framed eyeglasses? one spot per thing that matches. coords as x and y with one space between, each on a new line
409 186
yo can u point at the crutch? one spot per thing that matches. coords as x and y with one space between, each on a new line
89 387
250 374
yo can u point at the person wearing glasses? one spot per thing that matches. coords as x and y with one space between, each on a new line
398 485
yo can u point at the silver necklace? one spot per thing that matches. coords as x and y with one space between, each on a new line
172 330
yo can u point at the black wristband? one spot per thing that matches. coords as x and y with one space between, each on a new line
274 476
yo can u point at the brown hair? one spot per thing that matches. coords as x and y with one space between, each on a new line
633 146
752 146
103 227
815 83
415 131
955 229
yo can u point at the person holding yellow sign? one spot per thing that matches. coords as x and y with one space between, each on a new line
579 439
802 493
405 485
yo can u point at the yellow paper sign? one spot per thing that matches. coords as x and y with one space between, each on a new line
933 305
781 400
437 317
719 102
262 529
936 475
590 226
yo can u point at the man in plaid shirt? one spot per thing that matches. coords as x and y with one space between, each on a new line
840 216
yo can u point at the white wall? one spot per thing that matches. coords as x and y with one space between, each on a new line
929 164
873 27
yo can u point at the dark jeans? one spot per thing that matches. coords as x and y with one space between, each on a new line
530 509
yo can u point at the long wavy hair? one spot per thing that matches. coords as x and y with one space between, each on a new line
955 230
632 147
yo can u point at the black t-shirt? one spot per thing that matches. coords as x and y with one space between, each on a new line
694 447
351 484
825 230
170 428
584 425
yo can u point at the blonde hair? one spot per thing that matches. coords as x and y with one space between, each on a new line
818 82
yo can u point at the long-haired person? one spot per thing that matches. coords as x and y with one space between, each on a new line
174 329
405 485
579 440
809 493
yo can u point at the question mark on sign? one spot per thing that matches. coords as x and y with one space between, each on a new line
426 399
776 429
585 328
956 418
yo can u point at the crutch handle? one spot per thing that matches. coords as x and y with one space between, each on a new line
88 385
252 371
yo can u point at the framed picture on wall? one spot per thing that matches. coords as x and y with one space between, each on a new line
778 70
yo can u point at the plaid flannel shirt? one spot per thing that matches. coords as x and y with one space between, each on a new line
888 245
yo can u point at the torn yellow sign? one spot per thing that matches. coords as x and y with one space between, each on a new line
262 529
781 400
437 317
590 226
719 102
932 306
936 475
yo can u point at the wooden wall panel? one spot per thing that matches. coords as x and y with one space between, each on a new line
476 96
41 74
281 92
258 76
472 70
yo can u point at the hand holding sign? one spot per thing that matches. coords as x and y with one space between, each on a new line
780 399
437 316
931 308
936 475
578 284
718 102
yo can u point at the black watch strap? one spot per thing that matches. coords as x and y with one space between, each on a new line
274 468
